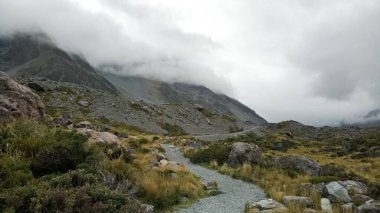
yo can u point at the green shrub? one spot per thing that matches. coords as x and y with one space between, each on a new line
218 153
173 129
13 171
64 154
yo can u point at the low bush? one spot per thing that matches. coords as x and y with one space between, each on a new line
218 153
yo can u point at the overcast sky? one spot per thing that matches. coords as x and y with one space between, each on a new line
314 61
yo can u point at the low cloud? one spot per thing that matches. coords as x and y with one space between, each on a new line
311 61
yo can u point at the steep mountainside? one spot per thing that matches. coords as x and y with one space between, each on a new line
156 92
148 104
23 56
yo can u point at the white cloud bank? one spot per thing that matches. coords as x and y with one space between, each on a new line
312 61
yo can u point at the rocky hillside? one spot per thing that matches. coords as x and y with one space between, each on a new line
24 56
154 106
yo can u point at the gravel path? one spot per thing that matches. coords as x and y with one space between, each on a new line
236 192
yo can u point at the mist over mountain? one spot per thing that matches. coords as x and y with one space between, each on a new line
316 62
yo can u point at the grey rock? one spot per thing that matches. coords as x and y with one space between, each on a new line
370 206
160 156
268 205
84 125
297 200
304 164
338 191
349 208
354 187
123 135
215 192
244 153
41 86
83 103
321 189
360 199
62 121
18 101
326 205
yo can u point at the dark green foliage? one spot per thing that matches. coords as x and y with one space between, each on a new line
64 154
13 171
173 129
217 152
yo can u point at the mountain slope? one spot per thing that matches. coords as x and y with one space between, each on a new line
156 92
24 56
151 105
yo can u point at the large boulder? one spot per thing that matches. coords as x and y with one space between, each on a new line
360 199
18 101
269 205
338 192
244 153
297 200
326 205
354 187
303 164
370 206
101 137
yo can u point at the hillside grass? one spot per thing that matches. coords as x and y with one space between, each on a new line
45 169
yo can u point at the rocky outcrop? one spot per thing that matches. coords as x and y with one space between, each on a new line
303 164
338 191
244 153
18 101
269 205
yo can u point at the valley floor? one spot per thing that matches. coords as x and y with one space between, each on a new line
236 193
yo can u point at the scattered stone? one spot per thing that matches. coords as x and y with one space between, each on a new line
244 153
338 191
321 189
123 135
354 187
268 205
297 200
303 164
370 206
160 156
359 199
215 192
84 125
326 205
349 208
210 185
83 103
164 162
18 101
62 121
